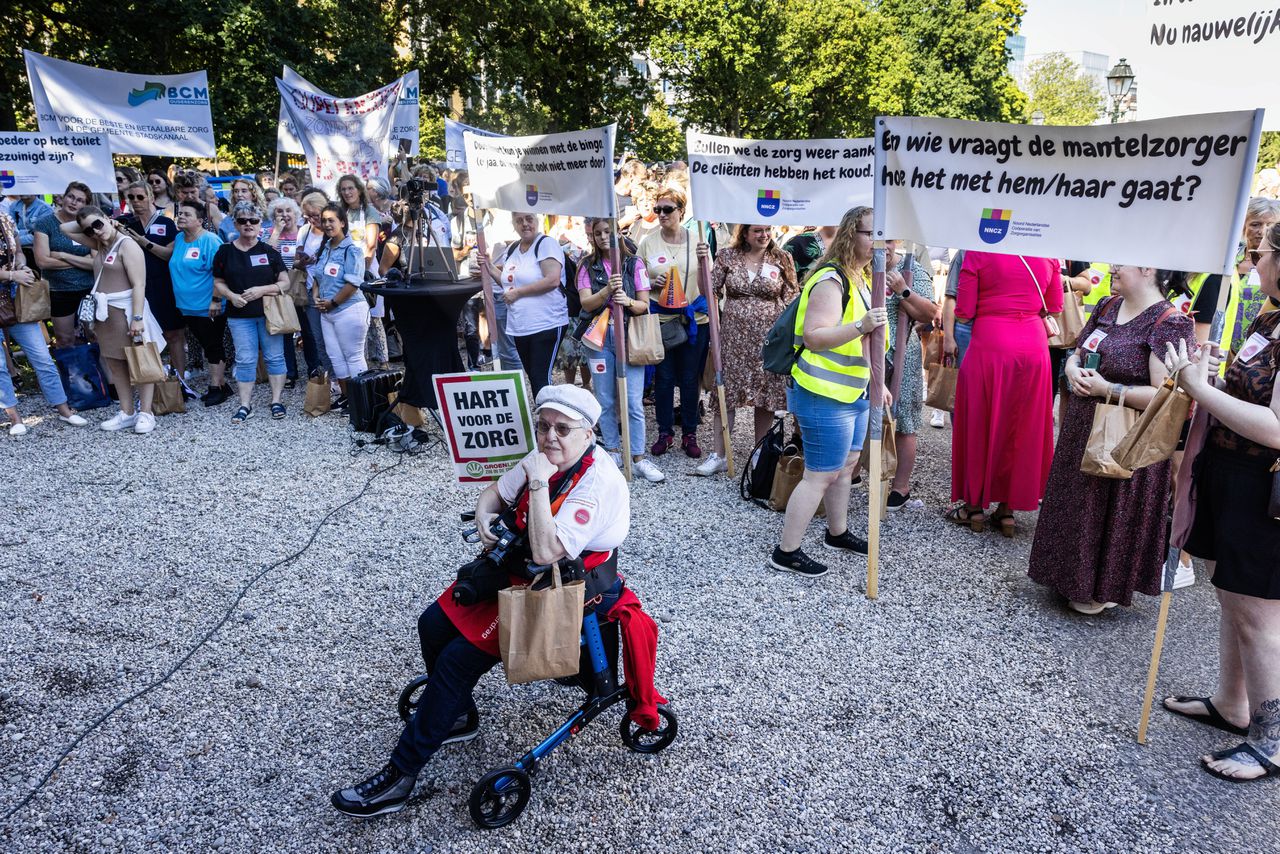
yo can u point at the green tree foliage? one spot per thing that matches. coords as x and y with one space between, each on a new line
1058 87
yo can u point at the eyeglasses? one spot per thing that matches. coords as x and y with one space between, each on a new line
562 430
248 221
96 225
664 209
135 197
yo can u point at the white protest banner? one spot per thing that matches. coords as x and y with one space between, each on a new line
1168 193
342 136
406 118
155 114
33 164
778 182
486 419
1207 55
455 152
559 173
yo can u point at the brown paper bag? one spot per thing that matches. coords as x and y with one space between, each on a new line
888 450
1154 437
1070 321
168 398
1111 421
298 287
942 387
410 415
32 302
539 631
282 317
318 400
786 477
644 340
933 351
144 363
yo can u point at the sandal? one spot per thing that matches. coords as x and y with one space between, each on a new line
1006 524
974 519
1269 768
242 415
1212 717
277 411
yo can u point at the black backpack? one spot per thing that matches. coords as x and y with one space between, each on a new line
569 288
756 483
779 351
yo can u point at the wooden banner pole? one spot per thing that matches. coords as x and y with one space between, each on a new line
713 327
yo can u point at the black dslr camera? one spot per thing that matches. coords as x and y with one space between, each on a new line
481 579
414 192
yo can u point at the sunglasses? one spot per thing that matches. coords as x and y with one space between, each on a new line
562 430
664 209
248 221
135 197
96 225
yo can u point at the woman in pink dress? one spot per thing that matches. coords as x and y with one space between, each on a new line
1002 443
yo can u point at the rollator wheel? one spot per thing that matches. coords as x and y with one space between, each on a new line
649 742
408 702
499 797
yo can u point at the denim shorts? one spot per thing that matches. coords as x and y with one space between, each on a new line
829 429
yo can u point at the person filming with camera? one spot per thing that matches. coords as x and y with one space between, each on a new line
565 502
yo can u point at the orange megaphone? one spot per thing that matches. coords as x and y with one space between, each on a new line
672 294
594 336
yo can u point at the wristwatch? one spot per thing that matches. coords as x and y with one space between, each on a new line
137 318
535 485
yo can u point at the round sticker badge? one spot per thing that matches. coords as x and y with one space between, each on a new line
582 517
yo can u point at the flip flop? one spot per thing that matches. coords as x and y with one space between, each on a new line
1269 769
1213 718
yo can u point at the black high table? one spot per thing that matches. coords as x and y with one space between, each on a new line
426 315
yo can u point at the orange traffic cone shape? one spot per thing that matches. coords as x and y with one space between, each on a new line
594 336
672 294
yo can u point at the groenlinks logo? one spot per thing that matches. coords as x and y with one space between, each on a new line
475 469
994 225
531 194
7 180
768 202
181 96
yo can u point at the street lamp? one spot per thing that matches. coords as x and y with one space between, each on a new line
1037 118
1119 82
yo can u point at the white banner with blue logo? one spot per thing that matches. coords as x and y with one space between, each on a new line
779 181
557 173
164 115
342 136
1168 193
408 111
33 164
455 151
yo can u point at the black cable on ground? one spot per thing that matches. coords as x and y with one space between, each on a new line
235 603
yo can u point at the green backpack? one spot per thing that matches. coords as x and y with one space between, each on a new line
779 351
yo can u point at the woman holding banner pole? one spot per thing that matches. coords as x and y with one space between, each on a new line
827 391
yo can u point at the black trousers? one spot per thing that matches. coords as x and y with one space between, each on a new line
209 332
538 355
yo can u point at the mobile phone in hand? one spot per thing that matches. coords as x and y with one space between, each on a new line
1091 361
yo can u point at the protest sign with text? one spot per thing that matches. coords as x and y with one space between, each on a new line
455 151
558 173
1167 193
342 136
406 118
154 114
486 419
1207 55
33 164
778 182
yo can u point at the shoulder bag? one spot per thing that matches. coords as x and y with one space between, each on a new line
1051 330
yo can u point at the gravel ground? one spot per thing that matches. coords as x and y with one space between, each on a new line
965 710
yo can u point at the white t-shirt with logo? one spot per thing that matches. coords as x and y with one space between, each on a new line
596 514
532 314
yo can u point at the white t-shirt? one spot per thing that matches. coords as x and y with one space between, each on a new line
596 514
529 315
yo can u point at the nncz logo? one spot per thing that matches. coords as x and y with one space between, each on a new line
994 224
183 96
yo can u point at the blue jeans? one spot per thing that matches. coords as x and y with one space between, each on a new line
963 332
831 430
500 343
29 337
604 384
454 666
681 367
250 333
317 341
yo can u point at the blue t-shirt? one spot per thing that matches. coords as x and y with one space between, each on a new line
191 268
336 267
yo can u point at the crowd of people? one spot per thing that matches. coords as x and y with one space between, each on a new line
167 261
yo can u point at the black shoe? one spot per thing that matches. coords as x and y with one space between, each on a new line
339 402
188 394
290 382
217 395
465 728
897 500
845 542
384 792
796 561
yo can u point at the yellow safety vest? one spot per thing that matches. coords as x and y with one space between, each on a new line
1100 275
841 373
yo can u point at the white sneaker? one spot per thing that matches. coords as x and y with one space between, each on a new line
617 459
145 423
649 471
1184 577
18 429
74 419
937 419
119 422
713 464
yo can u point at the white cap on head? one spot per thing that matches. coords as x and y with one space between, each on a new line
570 400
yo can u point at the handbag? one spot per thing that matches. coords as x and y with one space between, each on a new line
1154 437
298 287
144 363
87 311
32 303
169 399
81 376
540 631
942 385
319 399
8 312
673 335
281 315
1070 321
756 482
1111 422
1051 329
644 340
